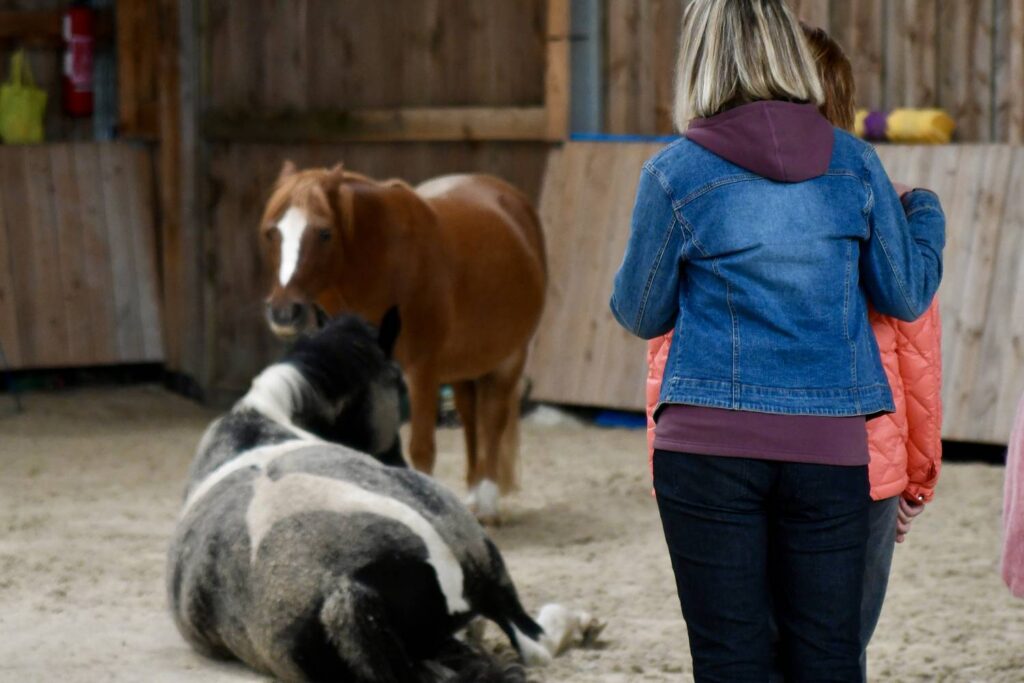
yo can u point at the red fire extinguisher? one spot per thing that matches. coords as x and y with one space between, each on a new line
79 39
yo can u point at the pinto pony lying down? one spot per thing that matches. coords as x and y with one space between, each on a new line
312 560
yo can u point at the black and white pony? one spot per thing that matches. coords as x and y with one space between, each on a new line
311 560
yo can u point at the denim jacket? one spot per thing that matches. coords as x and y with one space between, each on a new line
766 283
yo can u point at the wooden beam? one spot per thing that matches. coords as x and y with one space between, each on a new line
44 28
556 71
138 50
413 124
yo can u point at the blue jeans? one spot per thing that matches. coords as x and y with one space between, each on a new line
877 563
751 537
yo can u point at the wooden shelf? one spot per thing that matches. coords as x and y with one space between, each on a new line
43 28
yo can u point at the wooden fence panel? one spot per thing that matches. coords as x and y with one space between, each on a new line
1014 75
327 55
911 71
581 355
966 34
858 26
78 283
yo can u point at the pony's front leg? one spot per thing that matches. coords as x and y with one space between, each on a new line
423 388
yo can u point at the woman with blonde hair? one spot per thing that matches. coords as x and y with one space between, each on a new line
905 446
759 239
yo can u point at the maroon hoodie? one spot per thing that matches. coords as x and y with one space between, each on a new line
781 141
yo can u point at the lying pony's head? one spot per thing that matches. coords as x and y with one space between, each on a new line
338 384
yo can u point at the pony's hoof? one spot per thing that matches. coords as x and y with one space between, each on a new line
590 629
565 628
482 501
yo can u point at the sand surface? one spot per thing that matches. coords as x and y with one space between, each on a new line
90 485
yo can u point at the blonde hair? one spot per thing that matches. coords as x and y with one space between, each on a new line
733 52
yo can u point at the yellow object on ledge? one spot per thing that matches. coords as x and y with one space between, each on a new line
910 126
22 104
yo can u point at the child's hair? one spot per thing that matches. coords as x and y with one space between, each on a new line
836 74
737 51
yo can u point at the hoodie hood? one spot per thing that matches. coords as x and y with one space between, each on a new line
782 141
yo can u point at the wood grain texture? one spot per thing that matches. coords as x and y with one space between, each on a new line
582 357
964 55
78 284
858 26
1013 75
966 38
320 54
911 74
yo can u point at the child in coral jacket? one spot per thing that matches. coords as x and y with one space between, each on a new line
905 446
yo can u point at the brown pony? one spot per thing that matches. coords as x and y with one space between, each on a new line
462 256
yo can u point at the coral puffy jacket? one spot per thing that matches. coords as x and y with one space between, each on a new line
905 446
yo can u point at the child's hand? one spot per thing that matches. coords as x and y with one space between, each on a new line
902 189
906 514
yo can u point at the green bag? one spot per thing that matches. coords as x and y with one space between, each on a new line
22 104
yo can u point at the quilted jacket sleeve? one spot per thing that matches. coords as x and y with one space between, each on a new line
657 356
920 357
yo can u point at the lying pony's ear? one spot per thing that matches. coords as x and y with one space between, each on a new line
387 333
321 317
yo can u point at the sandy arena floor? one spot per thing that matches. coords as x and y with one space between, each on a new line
89 490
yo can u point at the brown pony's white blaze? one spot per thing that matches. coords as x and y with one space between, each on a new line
461 256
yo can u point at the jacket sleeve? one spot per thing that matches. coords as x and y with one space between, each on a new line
645 296
920 356
901 263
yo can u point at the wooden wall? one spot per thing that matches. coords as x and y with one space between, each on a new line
966 56
323 54
78 276
308 56
582 357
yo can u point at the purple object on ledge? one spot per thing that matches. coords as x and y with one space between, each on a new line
875 125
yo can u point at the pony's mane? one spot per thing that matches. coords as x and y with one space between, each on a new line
318 372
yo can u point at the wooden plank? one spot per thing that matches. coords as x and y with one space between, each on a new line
585 204
286 51
859 28
98 278
9 327
22 265
70 243
556 71
138 27
911 77
128 318
999 375
975 287
51 331
43 27
965 63
622 72
1014 74
139 206
392 125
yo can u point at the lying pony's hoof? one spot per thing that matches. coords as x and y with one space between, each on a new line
565 628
